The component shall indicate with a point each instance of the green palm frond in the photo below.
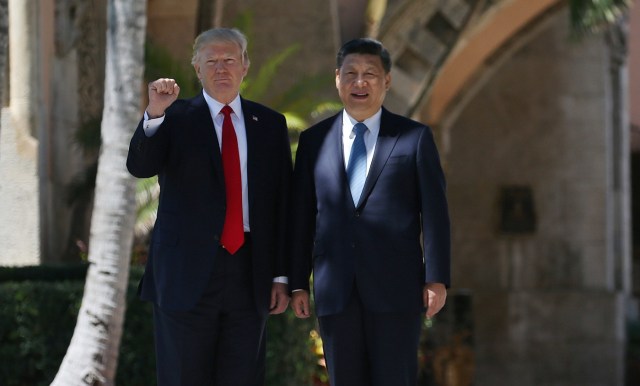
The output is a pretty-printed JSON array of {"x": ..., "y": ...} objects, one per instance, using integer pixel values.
[
  {"x": 255, "y": 88},
  {"x": 301, "y": 97},
  {"x": 589, "y": 16}
]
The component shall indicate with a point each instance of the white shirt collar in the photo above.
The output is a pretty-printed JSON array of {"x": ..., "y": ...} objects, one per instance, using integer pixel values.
[
  {"x": 372, "y": 123},
  {"x": 215, "y": 106}
]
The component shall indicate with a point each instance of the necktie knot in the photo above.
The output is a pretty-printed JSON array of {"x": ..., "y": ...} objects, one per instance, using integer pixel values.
[
  {"x": 360, "y": 128},
  {"x": 226, "y": 110}
]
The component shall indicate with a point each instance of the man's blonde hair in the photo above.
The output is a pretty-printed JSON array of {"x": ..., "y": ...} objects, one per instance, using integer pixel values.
[{"x": 220, "y": 35}]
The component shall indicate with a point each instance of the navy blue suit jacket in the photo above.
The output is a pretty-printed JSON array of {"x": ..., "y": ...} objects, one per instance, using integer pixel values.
[
  {"x": 396, "y": 239},
  {"x": 185, "y": 155}
]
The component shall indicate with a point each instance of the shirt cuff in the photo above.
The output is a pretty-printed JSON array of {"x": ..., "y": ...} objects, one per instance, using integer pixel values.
[
  {"x": 150, "y": 126},
  {"x": 281, "y": 279}
]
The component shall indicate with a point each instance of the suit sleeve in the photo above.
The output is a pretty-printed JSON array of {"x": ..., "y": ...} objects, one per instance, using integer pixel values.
[
  {"x": 147, "y": 154},
  {"x": 303, "y": 216},
  {"x": 435, "y": 214},
  {"x": 284, "y": 203}
]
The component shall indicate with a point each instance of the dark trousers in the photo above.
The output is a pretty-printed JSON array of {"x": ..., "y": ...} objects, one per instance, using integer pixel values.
[
  {"x": 220, "y": 342},
  {"x": 364, "y": 348}
]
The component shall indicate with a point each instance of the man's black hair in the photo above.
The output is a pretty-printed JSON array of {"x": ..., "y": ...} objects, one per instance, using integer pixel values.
[{"x": 365, "y": 46}]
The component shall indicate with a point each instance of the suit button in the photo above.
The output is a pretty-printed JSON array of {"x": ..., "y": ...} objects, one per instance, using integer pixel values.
[
  {"x": 353, "y": 245},
  {"x": 357, "y": 213}
]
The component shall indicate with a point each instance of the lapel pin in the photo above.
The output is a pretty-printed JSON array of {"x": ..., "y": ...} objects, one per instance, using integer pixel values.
[{"x": 254, "y": 118}]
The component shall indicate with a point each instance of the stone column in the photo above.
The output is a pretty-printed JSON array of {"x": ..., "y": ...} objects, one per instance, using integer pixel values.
[
  {"x": 19, "y": 192},
  {"x": 24, "y": 80},
  {"x": 619, "y": 228},
  {"x": 619, "y": 239}
]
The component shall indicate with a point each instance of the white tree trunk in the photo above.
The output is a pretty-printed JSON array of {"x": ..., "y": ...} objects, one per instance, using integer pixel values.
[{"x": 92, "y": 355}]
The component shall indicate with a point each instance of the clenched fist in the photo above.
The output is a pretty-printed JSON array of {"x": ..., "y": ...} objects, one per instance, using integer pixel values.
[{"x": 162, "y": 93}]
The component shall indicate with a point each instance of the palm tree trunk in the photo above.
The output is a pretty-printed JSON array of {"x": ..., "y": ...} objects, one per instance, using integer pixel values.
[{"x": 92, "y": 355}]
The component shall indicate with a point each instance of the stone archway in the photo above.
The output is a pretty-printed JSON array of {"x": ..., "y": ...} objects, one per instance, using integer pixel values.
[{"x": 442, "y": 49}]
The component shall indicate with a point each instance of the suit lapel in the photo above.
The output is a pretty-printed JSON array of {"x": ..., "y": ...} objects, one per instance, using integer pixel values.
[
  {"x": 204, "y": 124},
  {"x": 251, "y": 125},
  {"x": 387, "y": 139},
  {"x": 334, "y": 160}
]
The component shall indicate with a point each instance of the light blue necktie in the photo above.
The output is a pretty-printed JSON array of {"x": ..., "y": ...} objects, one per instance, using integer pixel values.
[{"x": 357, "y": 166}]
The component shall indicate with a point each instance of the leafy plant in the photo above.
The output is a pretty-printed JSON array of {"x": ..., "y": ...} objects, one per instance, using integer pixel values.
[
  {"x": 588, "y": 16},
  {"x": 300, "y": 103},
  {"x": 39, "y": 306}
]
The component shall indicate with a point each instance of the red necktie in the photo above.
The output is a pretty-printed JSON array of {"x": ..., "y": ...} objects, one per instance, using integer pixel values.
[{"x": 233, "y": 230}]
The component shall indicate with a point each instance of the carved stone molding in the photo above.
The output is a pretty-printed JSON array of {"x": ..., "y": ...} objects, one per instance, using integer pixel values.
[{"x": 420, "y": 36}]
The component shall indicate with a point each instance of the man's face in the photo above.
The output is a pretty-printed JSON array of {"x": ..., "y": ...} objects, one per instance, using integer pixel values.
[
  {"x": 220, "y": 68},
  {"x": 362, "y": 84}
]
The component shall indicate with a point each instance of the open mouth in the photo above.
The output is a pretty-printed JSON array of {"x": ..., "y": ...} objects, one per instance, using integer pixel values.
[{"x": 359, "y": 95}]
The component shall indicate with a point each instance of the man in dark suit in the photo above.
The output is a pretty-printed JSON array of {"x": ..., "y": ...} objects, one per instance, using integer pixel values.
[
  {"x": 370, "y": 219},
  {"x": 216, "y": 264}
]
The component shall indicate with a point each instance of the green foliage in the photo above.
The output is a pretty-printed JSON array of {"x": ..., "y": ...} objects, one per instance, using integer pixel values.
[
  {"x": 256, "y": 88},
  {"x": 47, "y": 273},
  {"x": 36, "y": 324},
  {"x": 291, "y": 360},
  {"x": 38, "y": 311},
  {"x": 588, "y": 16},
  {"x": 300, "y": 103}
]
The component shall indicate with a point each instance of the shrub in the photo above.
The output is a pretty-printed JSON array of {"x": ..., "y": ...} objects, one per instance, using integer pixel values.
[{"x": 38, "y": 313}]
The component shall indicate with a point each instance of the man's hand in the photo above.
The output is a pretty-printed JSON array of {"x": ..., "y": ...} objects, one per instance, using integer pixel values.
[
  {"x": 279, "y": 298},
  {"x": 434, "y": 295},
  {"x": 300, "y": 304},
  {"x": 162, "y": 93}
]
